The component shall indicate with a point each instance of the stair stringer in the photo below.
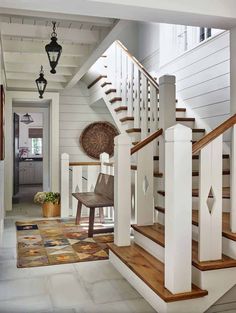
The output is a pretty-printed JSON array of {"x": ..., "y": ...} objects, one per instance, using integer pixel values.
[
  {"x": 216, "y": 282},
  {"x": 97, "y": 93}
]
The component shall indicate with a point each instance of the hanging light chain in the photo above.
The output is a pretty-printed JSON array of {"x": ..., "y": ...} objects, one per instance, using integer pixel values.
[{"x": 54, "y": 34}]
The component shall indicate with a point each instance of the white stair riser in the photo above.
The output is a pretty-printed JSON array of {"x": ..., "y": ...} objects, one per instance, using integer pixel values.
[
  {"x": 187, "y": 123},
  {"x": 135, "y": 136},
  {"x": 121, "y": 114},
  {"x": 229, "y": 246},
  {"x": 197, "y": 136},
  {"x": 180, "y": 114},
  {"x": 128, "y": 124}
]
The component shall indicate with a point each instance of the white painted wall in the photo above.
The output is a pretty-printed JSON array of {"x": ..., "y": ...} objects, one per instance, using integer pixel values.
[
  {"x": 202, "y": 75},
  {"x": 2, "y": 81},
  {"x": 75, "y": 114}
]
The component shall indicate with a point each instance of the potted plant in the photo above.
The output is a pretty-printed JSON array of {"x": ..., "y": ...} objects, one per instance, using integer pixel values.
[{"x": 50, "y": 202}]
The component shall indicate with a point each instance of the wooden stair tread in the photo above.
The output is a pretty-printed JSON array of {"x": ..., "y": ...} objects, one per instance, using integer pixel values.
[
  {"x": 115, "y": 99},
  {"x": 225, "y": 222},
  {"x": 151, "y": 271},
  {"x": 156, "y": 233},
  {"x": 121, "y": 108},
  {"x": 224, "y": 172},
  {"x": 185, "y": 119},
  {"x": 155, "y": 173},
  {"x": 110, "y": 91},
  {"x": 195, "y": 157},
  {"x": 96, "y": 80},
  {"x": 105, "y": 84},
  {"x": 195, "y": 192}
]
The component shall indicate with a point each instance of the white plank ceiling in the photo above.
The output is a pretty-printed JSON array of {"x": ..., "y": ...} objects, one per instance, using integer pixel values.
[{"x": 23, "y": 47}]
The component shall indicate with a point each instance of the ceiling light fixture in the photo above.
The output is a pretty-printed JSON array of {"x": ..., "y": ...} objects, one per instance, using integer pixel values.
[
  {"x": 41, "y": 83},
  {"x": 27, "y": 119},
  {"x": 53, "y": 50}
]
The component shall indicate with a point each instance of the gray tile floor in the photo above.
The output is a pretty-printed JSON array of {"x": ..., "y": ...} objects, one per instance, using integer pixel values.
[{"x": 91, "y": 287}]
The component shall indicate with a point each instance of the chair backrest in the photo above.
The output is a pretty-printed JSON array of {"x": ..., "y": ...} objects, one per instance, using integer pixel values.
[{"x": 105, "y": 186}]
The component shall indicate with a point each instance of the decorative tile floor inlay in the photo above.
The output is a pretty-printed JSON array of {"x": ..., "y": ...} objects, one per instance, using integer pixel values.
[{"x": 58, "y": 241}]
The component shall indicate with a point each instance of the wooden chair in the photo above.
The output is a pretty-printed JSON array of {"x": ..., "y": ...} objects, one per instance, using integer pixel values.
[{"x": 103, "y": 196}]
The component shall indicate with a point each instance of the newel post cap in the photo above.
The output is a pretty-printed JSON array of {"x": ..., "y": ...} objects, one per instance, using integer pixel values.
[
  {"x": 64, "y": 156},
  {"x": 122, "y": 139},
  {"x": 178, "y": 132},
  {"x": 167, "y": 79}
]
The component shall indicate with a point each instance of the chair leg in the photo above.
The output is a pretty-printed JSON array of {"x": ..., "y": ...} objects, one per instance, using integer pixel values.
[
  {"x": 101, "y": 215},
  {"x": 78, "y": 215},
  {"x": 91, "y": 222}
]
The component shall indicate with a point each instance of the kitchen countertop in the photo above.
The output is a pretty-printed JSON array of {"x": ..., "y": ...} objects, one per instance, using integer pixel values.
[{"x": 37, "y": 159}]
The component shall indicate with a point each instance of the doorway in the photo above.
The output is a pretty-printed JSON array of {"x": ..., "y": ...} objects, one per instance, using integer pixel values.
[{"x": 30, "y": 156}]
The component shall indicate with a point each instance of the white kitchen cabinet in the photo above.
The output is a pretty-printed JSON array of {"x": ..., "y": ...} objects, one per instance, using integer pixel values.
[{"x": 31, "y": 172}]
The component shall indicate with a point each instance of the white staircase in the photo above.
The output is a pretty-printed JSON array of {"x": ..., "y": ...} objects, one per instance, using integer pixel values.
[{"x": 183, "y": 189}]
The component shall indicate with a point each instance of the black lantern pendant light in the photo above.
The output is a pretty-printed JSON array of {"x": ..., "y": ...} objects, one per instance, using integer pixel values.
[
  {"x": 53, "y": 50},
  {"x": 26, "y": 119},
  {"x": 41, "y": 83}
]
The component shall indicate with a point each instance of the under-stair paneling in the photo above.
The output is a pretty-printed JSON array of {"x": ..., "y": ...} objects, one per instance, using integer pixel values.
[{"x": 75, "y": 114}]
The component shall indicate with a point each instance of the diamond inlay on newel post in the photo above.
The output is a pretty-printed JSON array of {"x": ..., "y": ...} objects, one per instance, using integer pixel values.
[{"x": 211, "y": 200}]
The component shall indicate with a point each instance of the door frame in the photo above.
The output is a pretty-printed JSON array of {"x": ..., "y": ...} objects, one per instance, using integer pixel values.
[
  {"x": 46, "y": 138},
  {"x": 21, "y": 96}
]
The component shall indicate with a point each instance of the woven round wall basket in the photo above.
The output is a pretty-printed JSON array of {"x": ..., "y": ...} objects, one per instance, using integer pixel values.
[{"x": 97, "y": 138}]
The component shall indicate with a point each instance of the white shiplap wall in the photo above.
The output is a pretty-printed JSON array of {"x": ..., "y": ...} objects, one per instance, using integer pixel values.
[
  {"x": 203, "y": 79},
  {"x": 75, "y": 114}
]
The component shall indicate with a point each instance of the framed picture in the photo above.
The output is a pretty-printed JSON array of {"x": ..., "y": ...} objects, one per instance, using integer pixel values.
[{"x": 2, "y": 123}]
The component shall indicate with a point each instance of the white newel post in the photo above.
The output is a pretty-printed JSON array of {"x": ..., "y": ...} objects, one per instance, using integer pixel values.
[
  {"x": 144, "y": 186},
  {"x": 178, "y": 209},
  {"x": 167, "y": 112},
  {"x": 210, "y": 208},
  {"x": 104, "y": 158},
  {"x": 122, "y": 190},
  {"x": 65, "y": 187},
  {"x": 233, "y": 181}
]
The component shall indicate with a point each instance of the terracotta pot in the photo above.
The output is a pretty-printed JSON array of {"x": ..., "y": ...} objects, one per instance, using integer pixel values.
[{"x": 51, "y": 210}]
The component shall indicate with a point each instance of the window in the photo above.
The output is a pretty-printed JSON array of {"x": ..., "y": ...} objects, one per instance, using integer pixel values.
[
  {"x": 36, "y": 146},
  {"x": 204, "y": 33}
]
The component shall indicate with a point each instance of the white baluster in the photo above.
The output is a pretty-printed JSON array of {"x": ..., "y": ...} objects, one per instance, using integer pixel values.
[
  {"x": 104, "y": 158},
  {"x": 233, "y": 181},
  {"x": 210, "y": 209},
  {"x": 144, "y": 107},
  {"x": 65, "y": 187},
  {"x": 124, "y": 79},
  {"x": 154, "y": 114},
  {"x": 178, "y": 209},
  {"x": 76, "y": 185},
  {"x": 118, "y": 70},
  {"x": 122, "y": 190},
  {"x": 144, "y": 186},
  {"x": 130, "y": 86},
  {"x": 167, "y": 114},
  {"x": 136, "y": 93}
]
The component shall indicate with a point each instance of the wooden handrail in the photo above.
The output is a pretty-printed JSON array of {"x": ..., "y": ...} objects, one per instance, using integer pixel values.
[
  {"x": 146, "y": 141},
  {"x": 197, "y": 146},
  {"x": 84, "y": 163},
  {"x": 140, "y": 66}
]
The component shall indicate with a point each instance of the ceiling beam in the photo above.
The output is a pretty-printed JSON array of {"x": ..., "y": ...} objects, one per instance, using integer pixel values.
[
  {"x": 188, "y": 12},
  {"x": 34, "y": 68},
  {"x": 98, "y": 21},
  {"x": 44, "y": 32},
  {"x": 30, "y": 85},
  {"x": 38, "y": 47},
  {"x": 15, "y": 57},
  {"x": 33, "y": 76}
]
